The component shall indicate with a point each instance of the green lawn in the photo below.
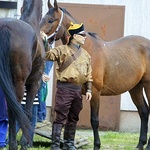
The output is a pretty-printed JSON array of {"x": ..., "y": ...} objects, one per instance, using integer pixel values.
[
  {"x": 117, "y": 141},
  {"x": 109, "y": 141}
]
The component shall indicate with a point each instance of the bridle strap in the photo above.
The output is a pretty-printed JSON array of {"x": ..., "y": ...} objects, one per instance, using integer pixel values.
[{"x": 59, "y": 25}]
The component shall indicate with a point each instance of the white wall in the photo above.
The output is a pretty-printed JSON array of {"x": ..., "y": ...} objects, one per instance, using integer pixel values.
[{"x": 8, "y": 12}]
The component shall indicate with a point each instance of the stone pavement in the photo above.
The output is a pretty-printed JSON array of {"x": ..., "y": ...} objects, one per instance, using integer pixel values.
[{"x": 44, "y": 129}]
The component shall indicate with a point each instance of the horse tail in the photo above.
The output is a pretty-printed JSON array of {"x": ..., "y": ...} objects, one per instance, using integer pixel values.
[{"x": 6, "y": 83}]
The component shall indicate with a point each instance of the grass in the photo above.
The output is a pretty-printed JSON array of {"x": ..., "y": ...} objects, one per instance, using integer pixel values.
[
  {"x": 114, "y": 141},
  {"x": 109, "y": 140},
  {"x": 118, "y": 141}
]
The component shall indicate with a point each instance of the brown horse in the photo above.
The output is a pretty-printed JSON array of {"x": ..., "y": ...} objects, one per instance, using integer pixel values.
[
  {"x": 21, "y": 63},
  {"x": 112, "y": 62}
]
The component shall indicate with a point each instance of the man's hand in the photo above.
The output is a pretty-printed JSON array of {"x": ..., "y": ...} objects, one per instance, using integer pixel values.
[
  {"x": 43, "y": 36},
  {"x": 45, "y": 78},
  {"x": 88, "y": 96}
]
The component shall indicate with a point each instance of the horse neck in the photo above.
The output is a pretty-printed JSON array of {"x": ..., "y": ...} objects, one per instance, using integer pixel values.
[
  {"x": 32, "y": 12},
  {"x": 65, "y": 25},
  {"x": 93, "y": 43}
]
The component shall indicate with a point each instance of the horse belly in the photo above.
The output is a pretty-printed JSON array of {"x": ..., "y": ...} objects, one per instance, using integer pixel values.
[
  {"x": 119, "y": 83},
  {"x": 110, "y": 91}
]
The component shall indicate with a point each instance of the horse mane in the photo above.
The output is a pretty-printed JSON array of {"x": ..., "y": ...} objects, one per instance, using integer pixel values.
[
  {"x": 66, "y": 12},
  {"x": 26, "y": 8},
  {"x": 94, "y": 35}
]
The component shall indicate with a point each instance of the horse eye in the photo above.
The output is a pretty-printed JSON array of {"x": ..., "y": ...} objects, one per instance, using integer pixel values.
[{"x": 51, "y": 21}]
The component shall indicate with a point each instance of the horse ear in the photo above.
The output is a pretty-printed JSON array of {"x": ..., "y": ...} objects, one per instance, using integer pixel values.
[
  {"x": 21, "y": 9},
  {"x": 49, "y": 4},
  {"x": 55, "y": 5}
]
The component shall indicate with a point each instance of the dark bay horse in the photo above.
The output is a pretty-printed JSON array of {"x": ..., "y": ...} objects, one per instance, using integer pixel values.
[
  {"x": 118, "y": 66},
  {"x": 22, "y": 57}
]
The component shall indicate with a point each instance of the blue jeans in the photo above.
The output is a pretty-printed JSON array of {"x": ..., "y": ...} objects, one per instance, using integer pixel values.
[
  {"x": 41, "y": 111},
  {"x": 3, "y": 119},
  {"x": 3, "y": 132},
  {"x": 42, "y": 104}
]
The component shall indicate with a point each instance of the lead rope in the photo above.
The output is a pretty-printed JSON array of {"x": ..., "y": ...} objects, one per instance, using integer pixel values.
[{"x": 59, "y": 25}]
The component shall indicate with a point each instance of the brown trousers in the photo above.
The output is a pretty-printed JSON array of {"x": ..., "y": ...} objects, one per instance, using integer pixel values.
[{"x": 68, "y": 104}]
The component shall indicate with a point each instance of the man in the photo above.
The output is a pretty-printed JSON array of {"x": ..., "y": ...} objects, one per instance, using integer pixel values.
[{"x": 73, "y": 70}]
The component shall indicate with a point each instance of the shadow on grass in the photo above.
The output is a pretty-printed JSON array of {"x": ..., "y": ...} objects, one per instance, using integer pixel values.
[
  {"x": 46, "y": 144},
  {"x": 42, "y": 144}
]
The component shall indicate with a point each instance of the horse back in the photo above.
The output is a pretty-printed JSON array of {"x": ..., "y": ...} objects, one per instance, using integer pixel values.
[{"x": 120, "y": 64}]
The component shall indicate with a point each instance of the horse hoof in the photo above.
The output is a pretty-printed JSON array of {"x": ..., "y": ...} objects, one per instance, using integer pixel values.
[
  {"x": 24, "y": 148},
  {"x": 96, "y": 148},
  {"x": 139, "y": 148}
]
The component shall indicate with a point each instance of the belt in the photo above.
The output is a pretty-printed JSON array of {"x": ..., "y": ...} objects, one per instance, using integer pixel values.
[{"x": 69, "y": 85}]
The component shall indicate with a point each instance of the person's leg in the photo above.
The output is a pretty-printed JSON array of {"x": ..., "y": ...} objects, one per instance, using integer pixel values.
[
  {"x": 41, "y": 111},
  {"x": 33, "y": 121},
  {"x": 44, "y": 110},
  {"x": 56, "y": 133},
  {"x": 3, "y": 120},
  {"x": 70, "y": 127},
  {"x": 69, "y": 136},
  {"x": 62, "y": 106},
  {"x": 42, "y": 104},
  {"x": 3, "y": 132}
]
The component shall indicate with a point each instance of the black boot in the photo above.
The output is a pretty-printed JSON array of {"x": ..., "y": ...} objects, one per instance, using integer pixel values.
[
  {"x": 69, "y": 136},
  {"x": 56, "y": 133}
]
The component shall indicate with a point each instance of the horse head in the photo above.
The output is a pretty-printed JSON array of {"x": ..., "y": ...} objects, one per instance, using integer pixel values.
[{"x": 53, "y": 23}]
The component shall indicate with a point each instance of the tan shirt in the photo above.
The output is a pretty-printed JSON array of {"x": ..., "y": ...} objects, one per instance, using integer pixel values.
[{"x": 78, "y": 72}]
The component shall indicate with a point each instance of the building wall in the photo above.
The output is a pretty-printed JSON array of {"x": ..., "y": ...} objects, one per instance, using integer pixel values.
[
  {"x": 8, "y": 12},
  {"x": 137, "y": 22},
  {"x": 136, "y": 15}
]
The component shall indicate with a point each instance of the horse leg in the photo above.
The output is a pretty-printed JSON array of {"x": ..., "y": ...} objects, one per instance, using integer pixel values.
[
  {"x": 19, "y": 86},
  {"x": 147, "y": 89},
  {"x": 31, "y": 93},
  {"x": 139, "y": 101},
  {"x": 12, "y": 133},
  {"x": 94, "y": 118}
]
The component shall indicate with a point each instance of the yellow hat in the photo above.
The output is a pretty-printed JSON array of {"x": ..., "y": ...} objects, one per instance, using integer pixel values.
[{"x": 75, "y": 28}]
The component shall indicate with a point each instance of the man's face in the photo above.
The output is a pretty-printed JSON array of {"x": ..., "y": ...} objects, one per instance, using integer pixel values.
[{"x": 80, "y": 38}]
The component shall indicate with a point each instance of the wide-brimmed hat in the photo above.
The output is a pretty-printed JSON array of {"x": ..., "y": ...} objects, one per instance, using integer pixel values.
[{"x": 75, "y": 28}]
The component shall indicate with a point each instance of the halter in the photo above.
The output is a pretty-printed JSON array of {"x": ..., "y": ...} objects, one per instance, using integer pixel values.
[{"x": 59, "y": 25}]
